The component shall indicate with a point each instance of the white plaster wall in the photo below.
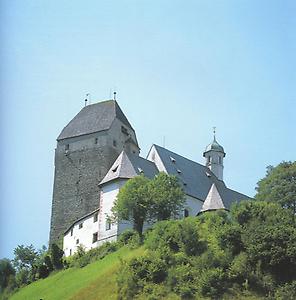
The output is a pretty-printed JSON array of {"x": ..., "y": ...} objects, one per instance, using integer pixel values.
[
  {"x": 109, "y": 193},
  {"x": 214, "y": 165},
  {"x": 84, "y": 235},
  {"x": 154, "y": 157}
]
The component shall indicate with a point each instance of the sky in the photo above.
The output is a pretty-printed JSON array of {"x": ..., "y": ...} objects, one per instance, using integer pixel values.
[{"x": 179, "y": 68}]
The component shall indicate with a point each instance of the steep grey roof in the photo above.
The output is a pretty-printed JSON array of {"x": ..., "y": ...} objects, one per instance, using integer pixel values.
[
  {"x": 129, "y": 165},
  {"x": 195, "y": 178},
  {"x": 213, "y": 200},
  {"x": 93, "y": 118}
]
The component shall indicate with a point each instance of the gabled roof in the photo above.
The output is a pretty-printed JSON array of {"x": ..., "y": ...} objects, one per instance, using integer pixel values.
[
  {"x": 213, "y": 200},
  {"x": 94, "y": 118},
  {"x": 129, "y": 165},
  {"x": 196, "y": 179}
]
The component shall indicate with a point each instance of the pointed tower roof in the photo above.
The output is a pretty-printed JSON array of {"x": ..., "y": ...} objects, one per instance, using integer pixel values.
[
  {"x": 129, "y": 165},
  {"x": 213, "y": 200},
  {"x": 94, "y": 118}
]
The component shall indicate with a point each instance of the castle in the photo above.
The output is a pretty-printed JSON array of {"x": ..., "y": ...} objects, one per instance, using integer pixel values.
[{"x": 96, "y": 153}]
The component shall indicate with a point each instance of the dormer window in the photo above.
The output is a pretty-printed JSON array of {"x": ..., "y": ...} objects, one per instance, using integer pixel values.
[
  {"x": 140, "y": 170},
  {"x": 172, "y": 159},
  {"x": 179, "y": 171},
  {"x": 115, "y": 169},
  {"x": 114, "y": 143}
]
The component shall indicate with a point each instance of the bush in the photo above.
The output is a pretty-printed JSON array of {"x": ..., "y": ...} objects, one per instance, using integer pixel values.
[
  {"x": 129, "y": 237},
  {"x": 286, "y": 292}
]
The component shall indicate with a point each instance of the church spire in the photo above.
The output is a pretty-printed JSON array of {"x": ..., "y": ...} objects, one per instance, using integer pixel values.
[{"x": 214, "y": 155}]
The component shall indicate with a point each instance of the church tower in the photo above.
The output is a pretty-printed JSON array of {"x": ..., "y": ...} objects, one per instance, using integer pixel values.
[
  {"x": 86, "y": 149},
  {"x": 214, "y": 155}
]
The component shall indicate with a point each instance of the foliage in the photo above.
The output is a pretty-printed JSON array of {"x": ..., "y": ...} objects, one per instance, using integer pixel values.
[
  {"x": 168, "y": 198},
  {"x": 133, "y": 202},
  {"x": 279, "y": 185},
  {"x": 7, "y": 272},
  {"x": 56, "y": 255},
  {"x": 141, "y": 200},
  {"x": 24, "y": 257},
  {"x": 286, "y": 292}
]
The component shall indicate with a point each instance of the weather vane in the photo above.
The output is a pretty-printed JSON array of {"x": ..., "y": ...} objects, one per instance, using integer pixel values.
[{"x": 214, "y": 131}]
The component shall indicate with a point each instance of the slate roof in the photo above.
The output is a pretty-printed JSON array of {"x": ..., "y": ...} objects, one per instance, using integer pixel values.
[
  {"x": 129, "y": 165},
  {"x": 195, "y": 178},
  {"x": 94, "y": 118},
  {"x": 213, "y": 200}
]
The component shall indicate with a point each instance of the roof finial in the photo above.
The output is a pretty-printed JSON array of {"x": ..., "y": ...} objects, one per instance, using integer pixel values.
[
  {"x": 214, "y": 131},
  {"x": 114, "y": 95},
  {"x": 87, "y": 98}
]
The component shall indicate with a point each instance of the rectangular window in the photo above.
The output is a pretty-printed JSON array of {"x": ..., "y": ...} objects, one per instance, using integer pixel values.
[
  {"x": 70, "y": 251},
  {"x": 124, "y": 130},
  {"x": 80, "y": 225},
  {"x": 71, "y": 231},
  {"x": 67, "y": 147},
  {"x": 96, "y": 140},
  {"x": 114, "y": 143},
  {"x": 95, "y": 217},
  {"x": 77, "y": 241},
  {"x": 95, "y": 237},
  {"x": 108, "y": 224}
]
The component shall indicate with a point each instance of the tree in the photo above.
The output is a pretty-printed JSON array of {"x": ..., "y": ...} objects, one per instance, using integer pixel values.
[
  {"x": 133, "y": 202},
  {"x": 168, "y": 198},
  {"x": 56, "y": 256},
  {"x": 24, "y": 257},
  {"x": 279, "y": 185},
  {"x": 6, "y": 273}
]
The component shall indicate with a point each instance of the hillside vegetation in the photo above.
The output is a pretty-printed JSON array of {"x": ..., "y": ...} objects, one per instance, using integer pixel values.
[{"x": 94, "y": 281}]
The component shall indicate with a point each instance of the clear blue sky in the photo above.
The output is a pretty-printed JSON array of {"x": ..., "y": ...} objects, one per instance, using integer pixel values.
[{"x": 179, "y": 67}]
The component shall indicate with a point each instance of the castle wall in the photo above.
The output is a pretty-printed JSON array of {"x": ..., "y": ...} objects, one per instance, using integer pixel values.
[{"x": 80, "y": 164}]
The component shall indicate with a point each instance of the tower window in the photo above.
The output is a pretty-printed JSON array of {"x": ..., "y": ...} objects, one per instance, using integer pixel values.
[
  {"x": 114, "y": 143},
  {"x": 209, "y": 159},
  {"x": 77, "y": 241},
  {"x": 67, "y": 147},
  {"x": 124, "y": 130},
  {"x": 80, "y": 225},
  {"x": 72, "y": 232},
  {"x": 95, "y": 237},
  {"x": 96, "y": 140},
  {"x": 108, "y": 224},
  {"x": 95, "y": 217}
]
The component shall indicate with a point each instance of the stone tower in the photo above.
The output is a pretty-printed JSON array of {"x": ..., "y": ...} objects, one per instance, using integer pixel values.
[
  {"x": 86, "y": 149},
  {"x": 214, "y": 155}
]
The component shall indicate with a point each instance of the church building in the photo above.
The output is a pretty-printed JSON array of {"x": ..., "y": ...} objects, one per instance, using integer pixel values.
[{"x": 97, "y": 153}]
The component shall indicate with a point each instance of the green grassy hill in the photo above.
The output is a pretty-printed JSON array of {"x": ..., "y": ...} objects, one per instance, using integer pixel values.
[{"x": 95, "y": 281}]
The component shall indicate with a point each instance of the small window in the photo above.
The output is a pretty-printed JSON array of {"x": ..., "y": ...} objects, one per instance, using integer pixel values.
[
  {"x": 124, "y": 130},
  {"x": 108, "y": 224},
  {"x": 140, "y": 170},
  {"x": 72, "y": 232},
  {"x": 186, "y": 213},
  {"x": 70, "y": 251},
  {"x": 95, "y": 237},
  {"x": 67, "y": 147},
  {"x": 114, "y": 143},
  {"x": 77, "y": 241},
  {"x": 80, "y": 225},
  {"x": 179, "y": 171},
  {"x": 95, "y": 217},
  {"x": 115, "y": 169},
  {"x": 209, "y": 159},
  {"x": 96, "y": 140}
]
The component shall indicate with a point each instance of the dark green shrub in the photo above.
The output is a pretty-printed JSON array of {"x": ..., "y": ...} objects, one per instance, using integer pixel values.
[
  {"x": 56, "y": 255},
  {"x": 286, "y": 292},
  {"x": 130, "y": 237},
  {"x": 43, "y": 271}
]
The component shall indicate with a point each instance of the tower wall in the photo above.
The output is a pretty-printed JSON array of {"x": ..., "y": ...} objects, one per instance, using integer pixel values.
[{"x": 80, "y": 164}]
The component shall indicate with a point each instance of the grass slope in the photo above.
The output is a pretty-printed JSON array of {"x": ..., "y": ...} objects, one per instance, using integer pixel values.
[{"x": 95, "y": 281}]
